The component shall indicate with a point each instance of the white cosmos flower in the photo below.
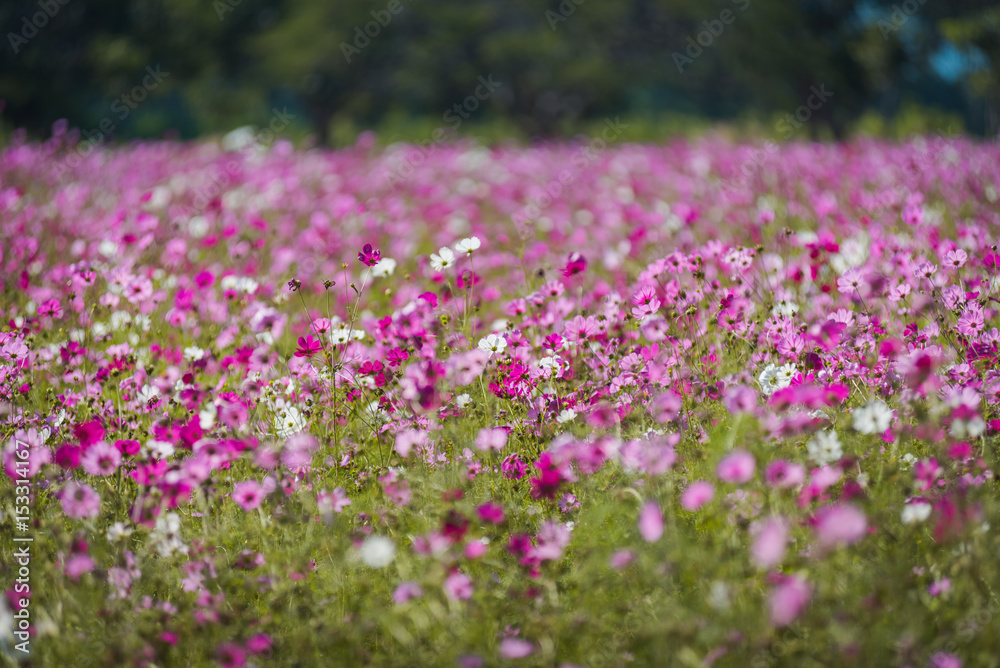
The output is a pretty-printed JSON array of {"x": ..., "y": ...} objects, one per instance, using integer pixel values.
[
  {"x": 444, "y": 259},
  {"x": 872, "y": 418},
  {"x": 117, "y": 532},
  {"x": 915, "y": 512},
  {"x": 466, "y": 246},
  {"x": 288, "y": 420},
  {"x": 193, "y": 353},
  {"x": 492, "y": 344},
  {"x": 384, "y": 267},
  {"x": 463, "y": 400},
  {"x": 774, "y": 378},
  {"x": 377, "y": 551},
  {"x": 147, "y": 393},
  {"x": 566, "y": 415},
  {"x": 340, "y": 336},
  {"x": 159, "y": 449},
  {"x": 825, "y": 447}
]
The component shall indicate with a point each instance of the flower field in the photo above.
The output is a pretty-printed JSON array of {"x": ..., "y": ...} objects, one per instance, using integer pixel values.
[{"x": 697, "y": 404}]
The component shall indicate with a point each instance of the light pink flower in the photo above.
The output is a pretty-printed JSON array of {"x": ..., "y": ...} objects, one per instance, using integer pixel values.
[
  {"x": 515, "y": 648},
  {"x": 788, "y": 600},
  {"x": 248, "y": 495},
  {"x": 80, "y": 501},
  {"x": 491, "y": 439},
  {"x": 770, "y": 542},
  {"x": 458, "y": 586},
  {"x": 696, "y": 495},
  {"x": 101, "y": 459},
  {"x": 840, "y": 525},
  {"x": 737, "y": 467},
  {"x": 651, "y": 522}
]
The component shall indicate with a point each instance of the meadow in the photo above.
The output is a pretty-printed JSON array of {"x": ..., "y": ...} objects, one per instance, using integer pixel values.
[{"x": 700, "y": 403}]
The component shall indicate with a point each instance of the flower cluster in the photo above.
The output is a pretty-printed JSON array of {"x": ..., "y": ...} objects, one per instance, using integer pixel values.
[{"x": 318, "y": 417}]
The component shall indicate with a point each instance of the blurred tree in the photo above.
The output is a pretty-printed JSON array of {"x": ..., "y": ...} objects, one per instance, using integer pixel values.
[{"x": 560, "y": 64}]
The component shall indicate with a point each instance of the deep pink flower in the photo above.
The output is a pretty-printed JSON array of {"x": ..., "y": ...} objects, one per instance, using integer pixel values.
[
  {"x": 490, "y": 512},
  {"x": 576, "y": 264},
  {"x": 231, "y": 655},
  {"x": 308, "y": 346},
  {"x": 369, "y": 256}
]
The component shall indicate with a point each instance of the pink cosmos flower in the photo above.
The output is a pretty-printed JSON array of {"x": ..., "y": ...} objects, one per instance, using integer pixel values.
[
  {"x": 665, "y": 406},
  {"x": 248, "y": 495},
  {"x": 770, "y": 542},
  {"x": 737, "y": 467},
  {"x": 851, "y": 281},
  {"x": 80, "y": 501},
  {"x": 696, "y": 495},
  {"x": 332, "y": 502},
  {"x": 788, "y": 600},
  {"x": 622, "y": 558},
  {"x": 651, "y": 522},
  {"x": 944, "y": 660},
  {"x": 259, "y": 643},
  {"x": 840, "y": 525},
  {"x": 515, "y": 648},
  {"x": 491, "y": 439},
  {"x": 783, "y": 474},
  {"x": 78, "y": 564},
  {"x": 458, "y": 586},
  {"x": 230, "y": 655},
  {"x": 101, "y": 459},
  {"x": 406, "y": 591}
]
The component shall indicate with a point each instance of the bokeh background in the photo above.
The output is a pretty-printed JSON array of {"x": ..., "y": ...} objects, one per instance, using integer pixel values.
[{"x": 333, "y": 68}]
